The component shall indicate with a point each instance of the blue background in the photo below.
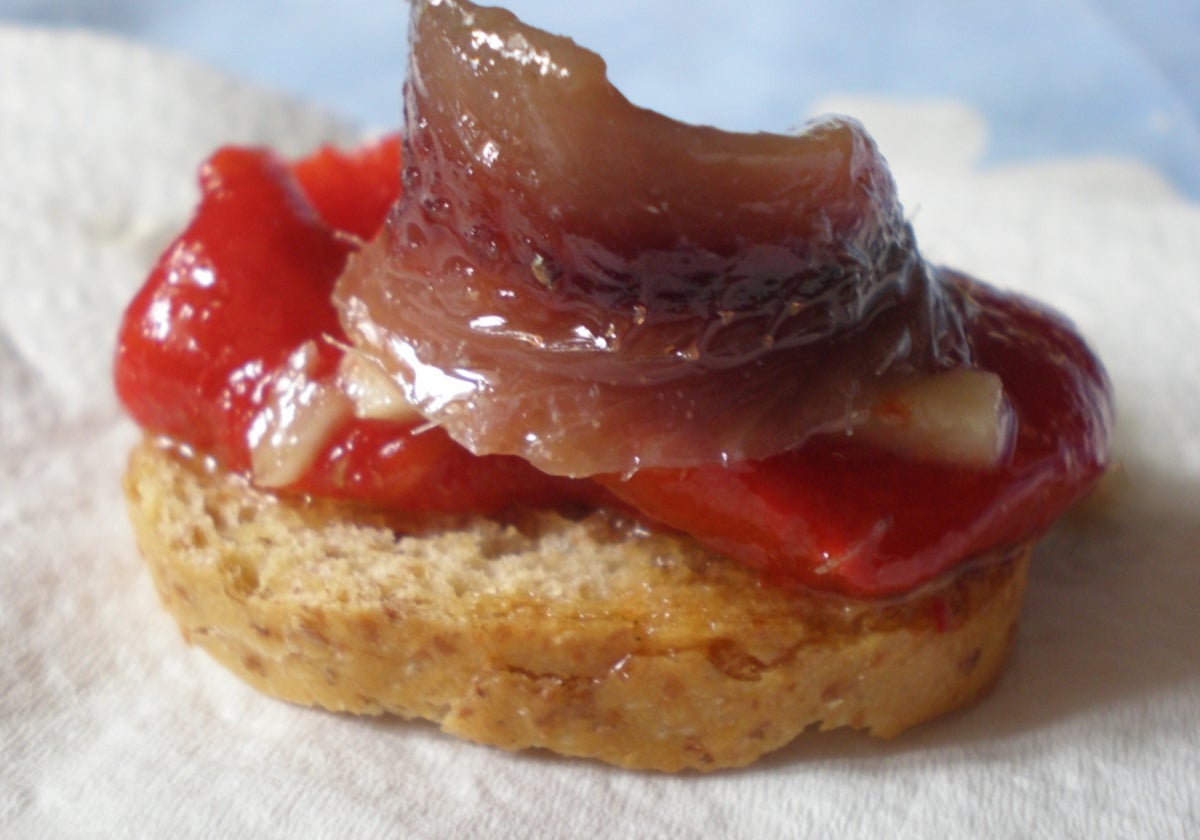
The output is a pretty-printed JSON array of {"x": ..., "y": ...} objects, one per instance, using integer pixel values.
[{"x": 1053, "y": 77}]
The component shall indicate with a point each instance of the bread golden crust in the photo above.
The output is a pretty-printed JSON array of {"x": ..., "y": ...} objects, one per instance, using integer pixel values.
[{"x": 588, "y": 637}]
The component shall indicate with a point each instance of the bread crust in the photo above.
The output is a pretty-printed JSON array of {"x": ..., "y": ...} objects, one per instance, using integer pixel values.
[{"x": 589, "y": 637}]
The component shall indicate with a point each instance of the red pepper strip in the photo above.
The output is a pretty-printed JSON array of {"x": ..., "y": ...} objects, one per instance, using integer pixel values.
[
  {"x": 249, "y": 281},
  {"x": 837, "y": 514}
]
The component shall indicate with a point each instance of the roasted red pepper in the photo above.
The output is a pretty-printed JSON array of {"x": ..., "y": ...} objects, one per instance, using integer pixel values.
[
  {"x": 249, "y": 281},
  {"x": 245, "y": 285}
]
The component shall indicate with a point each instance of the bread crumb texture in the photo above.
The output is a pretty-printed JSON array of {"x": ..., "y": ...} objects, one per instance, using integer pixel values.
[{"x": 589, "y": 637}]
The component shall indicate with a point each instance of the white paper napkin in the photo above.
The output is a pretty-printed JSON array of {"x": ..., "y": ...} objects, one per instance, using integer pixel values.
[{"x": 110, "y": 726}]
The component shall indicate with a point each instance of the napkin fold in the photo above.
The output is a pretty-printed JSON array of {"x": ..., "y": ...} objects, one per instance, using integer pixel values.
[{"x": 111, "y": 726}]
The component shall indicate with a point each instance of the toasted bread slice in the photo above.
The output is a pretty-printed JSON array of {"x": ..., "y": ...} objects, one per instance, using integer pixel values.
[{"x": 588, "y": 637}]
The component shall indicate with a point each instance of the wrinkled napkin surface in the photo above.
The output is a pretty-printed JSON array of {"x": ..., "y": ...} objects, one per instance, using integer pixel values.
[{"x": 111, "y": 726}]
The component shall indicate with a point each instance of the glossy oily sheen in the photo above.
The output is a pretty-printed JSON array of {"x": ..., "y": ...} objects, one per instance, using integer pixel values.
[
  {"x": 692, "y": 320},
  {"x": 840, "y": 514},
  {"x": 207, "y": 340},
  {"x": 597, "y": 288},
  {"x": 205, "y": 344}
]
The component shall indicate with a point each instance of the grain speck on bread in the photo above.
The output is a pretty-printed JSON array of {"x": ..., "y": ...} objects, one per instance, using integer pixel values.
[{"x": 589, "y": 637}]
